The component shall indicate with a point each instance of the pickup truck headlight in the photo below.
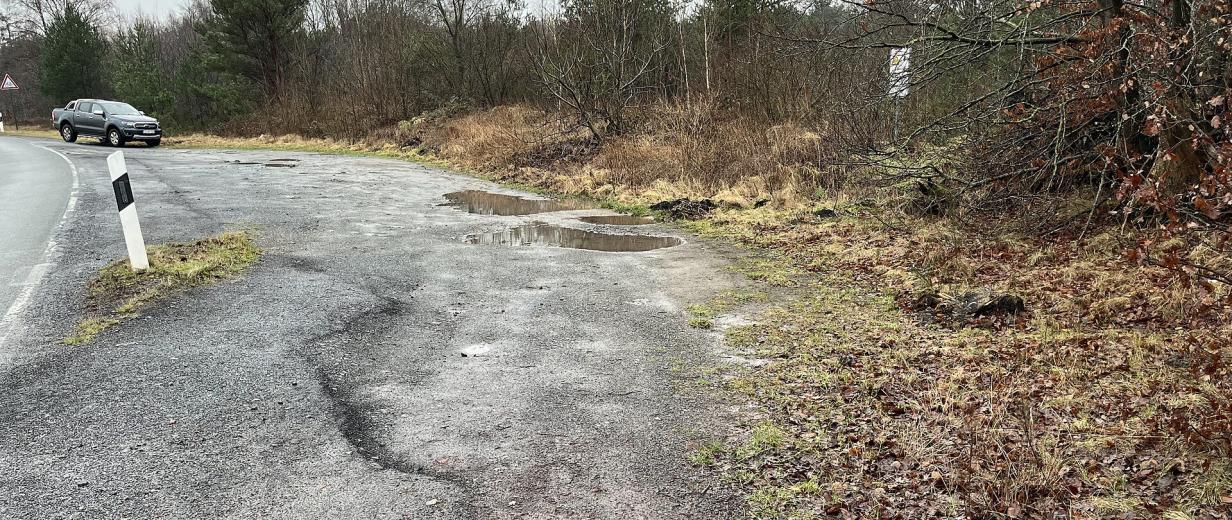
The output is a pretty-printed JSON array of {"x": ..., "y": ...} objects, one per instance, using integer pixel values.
[{"x": 130, "y": 124}]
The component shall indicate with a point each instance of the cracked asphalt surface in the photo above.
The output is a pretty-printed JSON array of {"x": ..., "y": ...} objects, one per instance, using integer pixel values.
[{"x": 370, "y": 365}]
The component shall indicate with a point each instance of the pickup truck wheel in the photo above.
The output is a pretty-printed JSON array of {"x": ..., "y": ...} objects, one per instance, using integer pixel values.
[
  {"x": 114, "y": 138},
  {"x": 67, "y": 133}
]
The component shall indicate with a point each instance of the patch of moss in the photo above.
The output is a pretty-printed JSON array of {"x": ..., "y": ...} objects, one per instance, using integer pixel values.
[
  {"x": 90, "y": 327},
  {"x": 701, "y": 323},
  {"x": 707, "y": 454}
]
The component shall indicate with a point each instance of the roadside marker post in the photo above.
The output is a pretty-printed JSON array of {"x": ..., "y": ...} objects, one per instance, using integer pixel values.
[
  {"x": 900, "y": 81},
  {"x": 128, "y": 212}
]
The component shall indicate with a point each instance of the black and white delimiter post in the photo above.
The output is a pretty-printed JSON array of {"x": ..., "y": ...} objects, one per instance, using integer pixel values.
[{"x": 128, "y": 212}]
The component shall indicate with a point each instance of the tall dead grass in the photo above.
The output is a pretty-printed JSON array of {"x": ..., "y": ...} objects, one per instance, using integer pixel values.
[{"x": 678, "y": 150}]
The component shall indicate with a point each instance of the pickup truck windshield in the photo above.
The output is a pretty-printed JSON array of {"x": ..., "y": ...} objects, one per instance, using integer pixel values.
[{"x": 120, "y": 109}]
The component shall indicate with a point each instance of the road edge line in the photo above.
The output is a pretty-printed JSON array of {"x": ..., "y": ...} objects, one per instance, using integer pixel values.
[{"x": 39, "y": 271}]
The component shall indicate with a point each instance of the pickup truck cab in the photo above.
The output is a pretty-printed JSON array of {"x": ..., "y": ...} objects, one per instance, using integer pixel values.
[{"x": 113, "y": 122}]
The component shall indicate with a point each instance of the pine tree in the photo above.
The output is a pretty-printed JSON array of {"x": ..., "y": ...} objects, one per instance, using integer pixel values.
[
  {"x": 254, "y": 38},
  {"x": 72, "y": 58},
  {"x": 134, "y": 71}
]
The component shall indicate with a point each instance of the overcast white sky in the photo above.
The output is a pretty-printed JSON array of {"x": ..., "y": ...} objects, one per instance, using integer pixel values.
[{"x": 160, "y": 9}]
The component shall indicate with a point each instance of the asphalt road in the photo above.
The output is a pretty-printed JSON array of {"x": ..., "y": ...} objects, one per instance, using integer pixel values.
[
  {"x": 36, "y": 186},
  {"x": 373, "y": 364}
]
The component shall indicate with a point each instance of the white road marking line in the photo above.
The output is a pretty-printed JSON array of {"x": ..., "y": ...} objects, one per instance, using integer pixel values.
[
  {"x": 36, "y": 274},
  {"x": 39, "y": 271}
]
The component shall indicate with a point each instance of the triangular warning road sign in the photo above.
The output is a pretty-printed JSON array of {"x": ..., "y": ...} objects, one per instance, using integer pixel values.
[{"x": 8, "y": 83}]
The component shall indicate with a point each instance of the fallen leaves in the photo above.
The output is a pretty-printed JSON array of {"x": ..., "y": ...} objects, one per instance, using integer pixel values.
[{"x": 1060, "y": 415}]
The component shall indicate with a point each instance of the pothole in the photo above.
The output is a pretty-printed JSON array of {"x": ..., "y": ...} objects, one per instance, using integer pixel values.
[
  {"x": 540, "y": 234},
  {"x": 618, "y": 220},
  {"x": 487, "y": 203}
]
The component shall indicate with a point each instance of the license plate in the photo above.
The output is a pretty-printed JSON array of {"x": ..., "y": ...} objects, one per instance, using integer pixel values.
[{"x": 148, "y": 132}]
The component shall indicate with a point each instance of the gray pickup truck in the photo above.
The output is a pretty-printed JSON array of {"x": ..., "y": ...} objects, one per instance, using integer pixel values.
[{"x": 114, "y": 122}]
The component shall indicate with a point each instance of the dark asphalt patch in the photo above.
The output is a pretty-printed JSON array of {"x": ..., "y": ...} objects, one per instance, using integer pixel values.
[
  {"x": 540, "y": 234},
  {"x": 354, "y": 418},
  {"x": 487, "y": 203}
]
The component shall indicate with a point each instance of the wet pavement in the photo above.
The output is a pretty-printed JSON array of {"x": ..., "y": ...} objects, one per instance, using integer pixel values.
[
  {"x": 372, "y": 364},
  {"x": 540, "y": 234},
  {"x": 487, "y": 203}
]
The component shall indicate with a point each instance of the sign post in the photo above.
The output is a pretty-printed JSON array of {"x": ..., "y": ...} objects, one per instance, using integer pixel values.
[
  {"x": 128, "y": 212},
  {"x": 900, "y": 80},
  {"x": 7, "y": 84}
]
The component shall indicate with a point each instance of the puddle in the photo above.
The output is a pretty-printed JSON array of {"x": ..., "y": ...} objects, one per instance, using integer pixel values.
[
  {"x": 284, "y": 160},
  {"x": 618, "y": 220},
  {"x": 243, "y": 162},
  {"x": 279, "y": 165},
  {"x": 485, "y": 203},
  {"x": 540, "y": 234}
]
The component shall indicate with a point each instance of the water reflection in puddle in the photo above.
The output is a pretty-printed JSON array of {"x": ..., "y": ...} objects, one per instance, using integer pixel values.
[
  {"x": 539, "y": 234},
  {"x": 618, "y": 220},
  {"x": 485, "y": 203}
]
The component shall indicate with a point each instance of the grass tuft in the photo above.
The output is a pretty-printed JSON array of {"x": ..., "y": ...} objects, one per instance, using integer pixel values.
[{"x": 118, "y": 294}]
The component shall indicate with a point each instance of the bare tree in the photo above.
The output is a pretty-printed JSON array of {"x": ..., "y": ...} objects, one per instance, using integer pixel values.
[
  {"x": 597, "y": 58},
  {"x": 39, "y": 14}
]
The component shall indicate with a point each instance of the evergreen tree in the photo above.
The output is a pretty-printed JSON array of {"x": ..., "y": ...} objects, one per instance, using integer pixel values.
[
  {"x": 72, "y": 58},
  {"x": 255, "y": 38},
  {"x": 134, "y": 71}
]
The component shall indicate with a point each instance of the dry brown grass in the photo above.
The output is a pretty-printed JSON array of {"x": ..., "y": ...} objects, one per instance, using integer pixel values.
[
  {"x": 1108, "y": 399},
  {"x": 28, "y": 131},
  {"x": 682, "y": 151}
]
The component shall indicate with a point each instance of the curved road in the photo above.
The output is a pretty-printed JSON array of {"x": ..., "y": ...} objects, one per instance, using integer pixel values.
[
  {"x": 36, "y": 185},
  {"x": 377, "y": 362}
]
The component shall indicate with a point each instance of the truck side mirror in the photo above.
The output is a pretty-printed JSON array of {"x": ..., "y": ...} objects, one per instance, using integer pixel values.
[{"x": 98, "y": 111}]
